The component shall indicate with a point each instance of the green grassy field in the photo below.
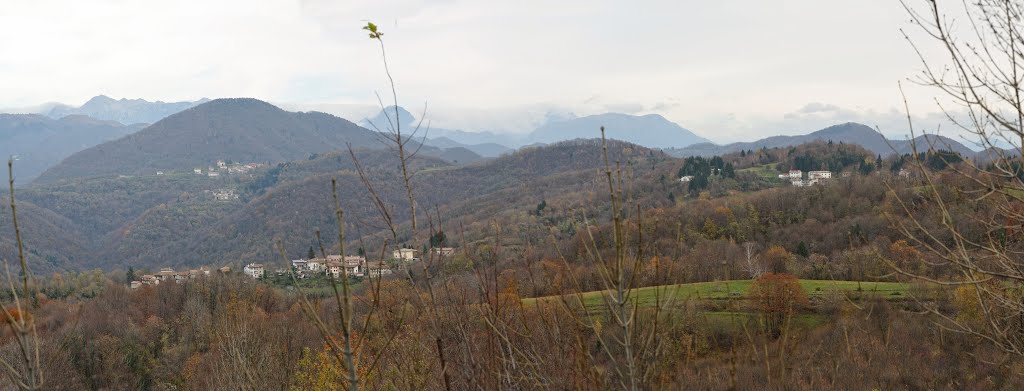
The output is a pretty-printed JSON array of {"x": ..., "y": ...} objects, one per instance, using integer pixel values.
[
  {"x": 766, "y": 171},
  {"x": 737, "y": 289}
]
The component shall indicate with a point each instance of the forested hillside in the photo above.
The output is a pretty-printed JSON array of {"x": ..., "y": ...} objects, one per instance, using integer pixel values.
[
  {"x": 175, "y": 219},
  {"x": 532, "y": 230},
  {"x": 170, "y": 220}
]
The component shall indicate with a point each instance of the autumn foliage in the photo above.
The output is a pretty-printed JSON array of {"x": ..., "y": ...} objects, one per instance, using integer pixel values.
[{"x": 777, "y": 296}]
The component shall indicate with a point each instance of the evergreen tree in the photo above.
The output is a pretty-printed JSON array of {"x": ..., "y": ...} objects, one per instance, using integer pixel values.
[
  {"x": 698, "y": 183},
  {"x": 801, "y": 250},
  {"x": 540, "y": 207},
  {"x": 729, "y": 171},
  {"x": 131, "y": 274},
  {"x": 438, "y": 239},
  {"x": 310, "y": 254},
  {"x": 866, "y": 168}
]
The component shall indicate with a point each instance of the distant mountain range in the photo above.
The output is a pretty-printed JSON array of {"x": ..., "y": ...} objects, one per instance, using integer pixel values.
[
  {"x": 850, "y": 133},
  {"x": 79, "y": 213},
  {"x": 485, "y": 144},
  {"x": 39, "y": 142},
  {"x": 95, "y": 142},
  {"x": 125, "y": 111},
  {"x": 652, "y": 130}
]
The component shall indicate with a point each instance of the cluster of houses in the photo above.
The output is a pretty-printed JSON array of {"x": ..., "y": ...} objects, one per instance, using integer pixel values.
[
  {"x": 223, "y": 167},
  {"x": 337, "y": 266},
  {"x": 167, "y": 275},
  {"x": 334, "y": 265},
  {"x": 351, "y": 265},
  {"x": 796, "y": 177}
]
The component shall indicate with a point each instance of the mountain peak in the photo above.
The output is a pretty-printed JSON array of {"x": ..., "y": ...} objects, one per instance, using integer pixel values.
[
  {"x": 98, "y": 100},
  {"x": 386, "y": 118},
  {"x": 651, "y": 130},
  {"x": 230, "y": 103}
]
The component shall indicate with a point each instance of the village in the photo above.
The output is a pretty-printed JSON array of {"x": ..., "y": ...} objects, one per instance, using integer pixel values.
[
  {"x": 224, "y": 167},
  {"x": 333, "y": 266},
  {"x": 796, "y": 177}
]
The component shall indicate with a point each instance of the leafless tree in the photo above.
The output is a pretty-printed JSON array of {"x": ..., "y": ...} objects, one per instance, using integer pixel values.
[
  {"x": 25, "y": 374},
  {"x": 393, "y": 128},
  {"x": 972, "y": 228},
  {"x": 753, "y": 265}
]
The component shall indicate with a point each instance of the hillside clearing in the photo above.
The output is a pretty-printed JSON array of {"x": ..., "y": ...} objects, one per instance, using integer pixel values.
[{"x": 737, "y": 289}]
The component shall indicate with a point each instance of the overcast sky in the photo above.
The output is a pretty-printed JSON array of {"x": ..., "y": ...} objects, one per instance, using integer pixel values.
[{"x": 728, "y": 70}]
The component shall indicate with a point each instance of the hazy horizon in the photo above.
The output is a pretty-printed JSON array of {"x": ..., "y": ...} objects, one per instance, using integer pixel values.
[{"x": 728, "y": 72}]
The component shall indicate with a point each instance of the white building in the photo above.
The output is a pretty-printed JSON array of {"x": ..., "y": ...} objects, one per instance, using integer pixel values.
[
  {"x": 354, "y": 265},
  {"x": 198, "y": 171},
  {"x": 377, "y": 269},
  {"x": 442, "y": 251},
  {"x": 333, "y": 269},
  {"x": 315, "y": 264},
  {"x": 353, "y": 269},
  {"x": 213, "y": 174},
  {"x": 796, "y": 174},
  {"x": 405, "y": 254},
  {"x": 819, "y": 174},
  {"x": 165, "y": 274},
  {"x": 686, "y": 178},
  {"x": 254, "y": 270}
]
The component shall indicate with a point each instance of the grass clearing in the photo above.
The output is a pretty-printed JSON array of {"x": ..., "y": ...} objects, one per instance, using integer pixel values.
[
  {"x": 737, "y": 289},
  {"x": 765, "y": 171}
]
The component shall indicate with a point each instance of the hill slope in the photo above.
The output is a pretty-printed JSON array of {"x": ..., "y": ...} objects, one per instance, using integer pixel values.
[
  {"x": 299, "y": 201},
  {"x": 40, "y": 142},
  {"x": 240, "y": 130},
  {"x": 174, "y": 219},
  {"x": 483, "y": 149}
]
